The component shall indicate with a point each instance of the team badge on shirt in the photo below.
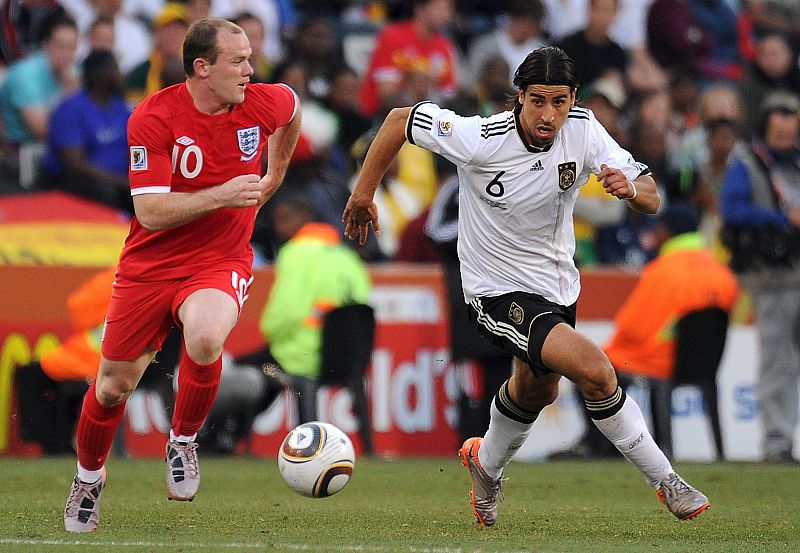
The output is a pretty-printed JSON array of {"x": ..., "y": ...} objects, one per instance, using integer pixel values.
[
  {"x": 249, "y": 139},
  {"x": 445, "y": 128},
  {"x": 138, "y": 158},
  {"x": 566, "y": 174}
]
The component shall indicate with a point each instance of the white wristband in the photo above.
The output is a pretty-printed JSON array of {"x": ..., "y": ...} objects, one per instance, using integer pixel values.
[{"x": 635, "y": 192}]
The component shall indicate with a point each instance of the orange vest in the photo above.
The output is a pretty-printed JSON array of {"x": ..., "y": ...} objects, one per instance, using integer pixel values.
[
  {"x": 78, "y": 357},
  {"x": 683, "y": 278}
]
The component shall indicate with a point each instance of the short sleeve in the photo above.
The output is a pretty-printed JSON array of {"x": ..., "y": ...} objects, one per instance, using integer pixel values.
[
  {"x": 274, "y": 105},
  {"x": 602, "y": 149},
  {"x": 286, "y": 104},
  {"x": 150, "y": 164},
  {"x": 443, "y": 132}
]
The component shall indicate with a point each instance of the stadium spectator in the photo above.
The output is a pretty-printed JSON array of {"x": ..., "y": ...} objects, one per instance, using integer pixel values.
[
  {"x": 31, "y": 89},
  {"x": 198, "y": 9},
  {"x": 50, "y": 390},
  {"x": 23, "y": 24},
  {"x": 160, "y": 279},
  {"x": 595, "y": 54},
  {"x": 342, "y": 102},
  {"x": 318, "y": 50},
  {"x": 719, "y": 101},
  {"x": 277, "y": 23},
  {"x": 773, "y": 68},
  {"x": 594, "y": 209},
  {"x": 131, "y": 36},
  {"x": 411, "y": 60},
  {"x": 34, "y": 84},
  {"x": 684, "y": 277},
  {"x": 771, "y": 16},
  {"x": 314, "y": 273},
  {"x": 493, "y": 88},
  {"x": 101, "y": 34},
  {"x": 521, "y": 286},
  {"x": 398, "y": 201},
  {"x": 256, "y": 33},
  {"x": 169, "y": 28},
  {"x": 519, "y": 33},
  {"x": 760, "y": 209},
  {"x": 674, "y": 37},
  {"x": 718, "y": 21},
  {"x": 564, "y": 17},
  {"x": 87, "y": 146}
]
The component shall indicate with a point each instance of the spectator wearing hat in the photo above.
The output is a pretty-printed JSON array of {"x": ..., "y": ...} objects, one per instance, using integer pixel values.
[
  {"x": 760, "y": 208},
  {"x": 170, "y": 27}
]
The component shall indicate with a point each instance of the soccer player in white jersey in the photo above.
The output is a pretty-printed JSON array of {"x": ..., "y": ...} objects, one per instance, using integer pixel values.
[{"x": 519, "y": 174}]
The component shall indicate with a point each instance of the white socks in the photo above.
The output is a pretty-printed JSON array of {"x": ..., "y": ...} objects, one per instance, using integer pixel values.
[
  {"x": 182, "y": 439},
  {"x": 504, "y": 437},
  {"x": 89, "y": 476},
  {"x": 628, "y": 431}
]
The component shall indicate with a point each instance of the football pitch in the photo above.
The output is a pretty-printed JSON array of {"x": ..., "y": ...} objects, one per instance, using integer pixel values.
[{"x": 413, "y": 506}]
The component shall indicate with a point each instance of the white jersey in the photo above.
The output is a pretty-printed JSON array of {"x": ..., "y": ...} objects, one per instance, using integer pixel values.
[{"x": 515, "y": 230}]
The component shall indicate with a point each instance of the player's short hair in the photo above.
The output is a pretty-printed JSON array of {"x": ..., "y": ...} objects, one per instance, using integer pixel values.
[
  {"x": 201, "y": 41},
  {"x": 547, "y": 66}
]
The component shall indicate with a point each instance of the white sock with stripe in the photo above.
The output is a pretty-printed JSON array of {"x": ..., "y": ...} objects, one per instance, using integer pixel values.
[
  {"x": 509, "y": 427},
  {"x": 621, "y": 421}
]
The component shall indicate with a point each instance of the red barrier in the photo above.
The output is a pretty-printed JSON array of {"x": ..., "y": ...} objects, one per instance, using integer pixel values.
[{"x": 411, "y": 385}]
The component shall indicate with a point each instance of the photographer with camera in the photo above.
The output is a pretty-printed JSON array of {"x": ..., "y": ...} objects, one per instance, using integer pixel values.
[{"x": 760, "y": 207}]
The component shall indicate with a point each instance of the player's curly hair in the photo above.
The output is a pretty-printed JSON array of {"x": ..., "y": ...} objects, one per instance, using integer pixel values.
[
  {"x": 201, "y": 41},
  {"x": 548, "y": 66}
]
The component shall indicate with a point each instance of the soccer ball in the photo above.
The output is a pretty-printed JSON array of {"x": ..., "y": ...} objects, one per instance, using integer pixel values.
[{"x": 316, "y": 459}]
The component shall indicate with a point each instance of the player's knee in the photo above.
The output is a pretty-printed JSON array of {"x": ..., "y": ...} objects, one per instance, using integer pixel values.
[
  {"x": 113, "y": 392},
  {"x": 598, "y": 383},
  {"x": 204, "y": 347}
]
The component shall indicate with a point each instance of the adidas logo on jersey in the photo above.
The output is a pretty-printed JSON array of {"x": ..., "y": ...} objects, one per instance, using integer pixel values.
[{"x": 537, "y": 166}]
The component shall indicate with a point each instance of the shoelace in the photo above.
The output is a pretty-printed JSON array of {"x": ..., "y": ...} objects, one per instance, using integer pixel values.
[
  {"x": 677, "y": 486},
  {"x": 76, "y": 497},
  {"x": 190, "y": 455},
  {"x": 495, "y": 494}
]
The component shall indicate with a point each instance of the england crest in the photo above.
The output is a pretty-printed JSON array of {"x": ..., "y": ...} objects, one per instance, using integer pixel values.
[{"x": 249, "y": 139}]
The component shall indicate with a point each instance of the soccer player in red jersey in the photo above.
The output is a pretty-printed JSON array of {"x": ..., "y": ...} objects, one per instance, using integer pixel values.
[{"x": 195, "y": 159}]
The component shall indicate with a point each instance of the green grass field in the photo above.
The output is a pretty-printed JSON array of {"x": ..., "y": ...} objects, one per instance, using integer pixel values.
[{"x": 412, "y": 506}]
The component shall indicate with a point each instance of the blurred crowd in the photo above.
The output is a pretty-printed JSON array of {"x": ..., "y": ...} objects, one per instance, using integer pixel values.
[{"x": 679, "y": 83}]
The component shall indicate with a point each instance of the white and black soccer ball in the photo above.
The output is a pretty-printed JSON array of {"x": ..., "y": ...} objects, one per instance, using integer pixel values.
[{"x": 316, "y": 459}]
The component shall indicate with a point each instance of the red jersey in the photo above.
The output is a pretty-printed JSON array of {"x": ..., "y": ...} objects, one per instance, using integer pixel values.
[
  {"x": 176, "y": 148},
  {"x": 399, "y": 49}
]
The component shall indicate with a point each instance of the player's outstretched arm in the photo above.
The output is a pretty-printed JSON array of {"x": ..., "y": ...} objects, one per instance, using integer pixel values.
[
  {"x": 361, "y": 211},
  {"x": 279, "y": 152},
  {"x": 641, "y": 193},
  {"x": 173, "y": 209}
]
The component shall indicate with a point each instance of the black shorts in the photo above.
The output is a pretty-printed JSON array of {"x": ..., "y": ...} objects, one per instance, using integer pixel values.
[{"x": 519, "y": 323}]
